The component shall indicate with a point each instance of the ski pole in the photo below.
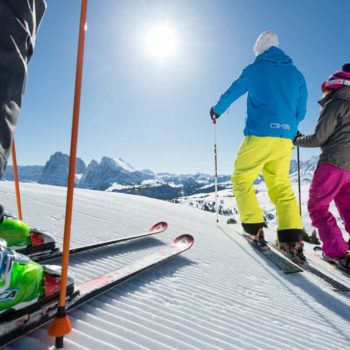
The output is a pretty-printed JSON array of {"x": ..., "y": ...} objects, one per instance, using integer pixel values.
[
  {"x": 216, "y": 171},
  {"x": 61, "y": 326},
  {"x": 15, "y": 175},
  {"x": 298, "y": 159}
]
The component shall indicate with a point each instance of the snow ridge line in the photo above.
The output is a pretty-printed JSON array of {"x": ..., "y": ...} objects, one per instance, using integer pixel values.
[
  {"x": 87, "y": 340},
  {"x": 161, "y": 329},
  {"x": 261, "y": 313},
  {"x": 217, "y": 327},
  {"x": 198, "y": 333},
  {"x": 119, "y": 329},
  {"x": 296, "y": 316}
]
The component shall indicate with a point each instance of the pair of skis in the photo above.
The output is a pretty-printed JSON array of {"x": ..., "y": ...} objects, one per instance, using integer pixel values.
[
  {"x": 289, "y": 266},
  {"x": 18, "y": 323}
]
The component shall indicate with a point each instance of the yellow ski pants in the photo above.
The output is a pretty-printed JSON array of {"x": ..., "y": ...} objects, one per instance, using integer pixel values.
[{"x": 271, "y": 156}]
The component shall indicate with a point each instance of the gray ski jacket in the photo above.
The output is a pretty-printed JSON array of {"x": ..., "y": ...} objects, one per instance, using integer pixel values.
[{"x": 332, "y": 132}]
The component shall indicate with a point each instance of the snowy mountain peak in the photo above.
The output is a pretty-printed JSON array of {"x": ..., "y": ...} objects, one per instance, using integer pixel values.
[
  {"x": 117, "y": 163},
  {"x": 55, "y": 171}
]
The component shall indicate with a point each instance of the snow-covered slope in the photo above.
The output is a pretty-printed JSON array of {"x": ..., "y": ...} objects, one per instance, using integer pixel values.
[
  {"x": 227, "y": 204},
  {"x": 220, "y": 294}
]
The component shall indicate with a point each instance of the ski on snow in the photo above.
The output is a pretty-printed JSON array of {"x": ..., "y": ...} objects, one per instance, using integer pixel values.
[
  {"x": 288, "y": 265},
  {"x": 47, "y": 250},
  {"x": 318, "y": 251},
  {"x": 307, "y": 266},
  {"x": 280, "y": 261},
  {"x": 15, "y": 324}
]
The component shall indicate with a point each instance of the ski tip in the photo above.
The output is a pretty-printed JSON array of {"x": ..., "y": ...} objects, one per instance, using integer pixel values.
[
  {"x": 160, "y": 226},
  {"x": 39, "y": 237},
  {"x": 184, "y": 240}
]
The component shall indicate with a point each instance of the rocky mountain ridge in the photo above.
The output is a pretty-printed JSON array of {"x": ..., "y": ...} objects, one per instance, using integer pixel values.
[{"x": 116, "y": 175}]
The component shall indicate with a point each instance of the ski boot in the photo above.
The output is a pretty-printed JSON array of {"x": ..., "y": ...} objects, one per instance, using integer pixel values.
[
  {"x": 21, "y": 280},
  {"x": 24, "y": 240},
  {"x": 287, "y": 248},
  {"x": 258, "y": 238},
  {"x": 293, "y": 250},
  {"x": 15, "y": 233},
  {"x": 24, "y": 282},
  {"x": 299, "y": 252},
  {"x": 343, "y": 262},
  {"x": 255, "y": 233}
]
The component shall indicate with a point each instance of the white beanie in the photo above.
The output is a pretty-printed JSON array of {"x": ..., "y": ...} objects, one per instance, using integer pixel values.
[{"x": 265, "y": 41}]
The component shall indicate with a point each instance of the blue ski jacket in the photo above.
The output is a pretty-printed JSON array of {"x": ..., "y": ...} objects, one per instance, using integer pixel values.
[{"x": 277, "y": 95}]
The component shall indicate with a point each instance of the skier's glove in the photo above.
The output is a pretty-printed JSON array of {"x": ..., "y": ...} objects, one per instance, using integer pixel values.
[
  {"x": 299, "y": 134},
  {"x": 213, "y": 114}
]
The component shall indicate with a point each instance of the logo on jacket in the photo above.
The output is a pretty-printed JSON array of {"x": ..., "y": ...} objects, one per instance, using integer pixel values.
[{"x": 280, "y": 126}]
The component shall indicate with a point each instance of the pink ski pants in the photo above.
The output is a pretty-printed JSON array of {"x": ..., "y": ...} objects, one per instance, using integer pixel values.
[{"x": 330, "y": 183}]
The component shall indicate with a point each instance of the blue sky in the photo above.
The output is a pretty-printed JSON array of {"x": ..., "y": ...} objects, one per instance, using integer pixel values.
[{"x": 154, "y": 114}]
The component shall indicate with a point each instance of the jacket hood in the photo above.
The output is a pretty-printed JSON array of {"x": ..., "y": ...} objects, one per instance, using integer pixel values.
[
  {"x": 342, "y": 93},
  {"x": 275, "y": 56}
]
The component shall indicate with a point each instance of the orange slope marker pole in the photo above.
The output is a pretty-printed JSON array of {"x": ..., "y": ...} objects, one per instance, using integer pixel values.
[
  {"x": 61, "y": 325},
  {"x": 15, "y": 174}
]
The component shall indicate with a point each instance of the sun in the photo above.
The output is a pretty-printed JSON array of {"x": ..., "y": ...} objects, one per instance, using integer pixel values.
[{"x": 161, "y": 41}]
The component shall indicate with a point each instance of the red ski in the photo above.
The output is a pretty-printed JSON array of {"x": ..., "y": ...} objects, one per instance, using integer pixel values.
[
  {"x": 47, "y": 250},
  {"x": 14, "y": 325}
]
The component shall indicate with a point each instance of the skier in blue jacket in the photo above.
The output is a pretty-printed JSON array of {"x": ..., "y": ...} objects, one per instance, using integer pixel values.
[{"x": 276, "y": 103}]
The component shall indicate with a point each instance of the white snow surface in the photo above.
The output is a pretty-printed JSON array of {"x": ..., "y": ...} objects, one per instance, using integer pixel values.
[{"x": 220, "y": 294}]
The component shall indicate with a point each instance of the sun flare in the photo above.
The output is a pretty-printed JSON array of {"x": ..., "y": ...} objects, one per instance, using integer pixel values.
[{"x": 161, "y": 41}]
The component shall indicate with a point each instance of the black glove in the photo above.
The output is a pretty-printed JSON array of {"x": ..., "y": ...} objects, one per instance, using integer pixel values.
[
  {"x": 213, "y": 114},
  {"x": 299, "y": 134}
]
